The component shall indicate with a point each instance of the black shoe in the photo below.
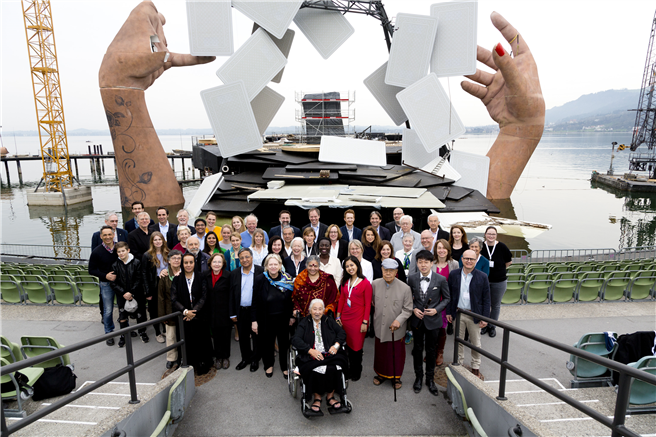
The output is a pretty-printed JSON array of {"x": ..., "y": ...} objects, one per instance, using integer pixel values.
[
  {"x": 355, "y": 378},
  {"x": 110, "y": 342},
  {"x": 417, "y": 385},
  {"x": 170, "y": 364},
  {"x": 133, "y": 334},
  {"x": 242, "y": 365},
  {"x": 121, "y": 341},
  {"x": 432, "y": 387},
  {"x": 492, "y": 332},
  {"x": 449, "y": 329},
  {"x": 484, "y": 330},
  {"x": 254, "y": 366},
  {"x": 269, "y": 375},
  {"x": 144, "y": 337}
]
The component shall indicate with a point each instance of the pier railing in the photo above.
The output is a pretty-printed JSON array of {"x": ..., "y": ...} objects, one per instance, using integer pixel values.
[
  {"x": 616, "y": 423},
  {"x": 129, "y": 369}
]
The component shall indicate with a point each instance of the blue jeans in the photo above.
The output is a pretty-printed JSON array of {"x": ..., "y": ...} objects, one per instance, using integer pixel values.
[
  {"x": 108, "y": 305},
  {"x": 497, "y": 290}
]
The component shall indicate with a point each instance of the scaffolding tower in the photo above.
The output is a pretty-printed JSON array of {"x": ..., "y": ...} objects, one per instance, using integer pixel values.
[
  {"x": 325, "y": 113},
  {"x": 40, "y": 35},
  {"x": 643, "y": 132}
]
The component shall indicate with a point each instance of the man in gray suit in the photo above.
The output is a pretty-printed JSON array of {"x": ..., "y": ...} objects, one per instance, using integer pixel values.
[{"x": 430, "y": 296}]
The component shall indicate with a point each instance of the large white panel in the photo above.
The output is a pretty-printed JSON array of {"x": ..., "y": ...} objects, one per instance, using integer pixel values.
[
  {"x": 256, "y": 62},
  {"x": 414, "y": 154},
  {"x": 454, "y": 53},
  {"x": 326, "y": 30},
  {"x": 284, "y": 44},
  {"x": 231, "y": 117},
  {"x": 351, "y": 151},
  {"x": 265, "y": 106},
  {"x": 204, "y": 194},
  {"x": 473, "y": 168},
  {"x": 386, "y": 94},
  {"x": 430, "y": 112},
  {"x": 274, "y": 16},
  {"x": 412, "y": 46},
  {"x": 209, "y": 24}
]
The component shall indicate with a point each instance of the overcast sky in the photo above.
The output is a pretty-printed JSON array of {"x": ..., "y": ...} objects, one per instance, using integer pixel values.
[{"x": 580, "y": 47}]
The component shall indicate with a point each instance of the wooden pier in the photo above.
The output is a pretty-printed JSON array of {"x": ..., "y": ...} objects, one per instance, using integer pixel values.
[{"x": 96, "y": 162}]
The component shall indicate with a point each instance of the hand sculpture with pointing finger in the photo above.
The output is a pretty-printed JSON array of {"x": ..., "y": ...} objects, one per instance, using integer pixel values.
[
  {"x": 513, "y": 98},
  {"x": 136, "y": 57}
]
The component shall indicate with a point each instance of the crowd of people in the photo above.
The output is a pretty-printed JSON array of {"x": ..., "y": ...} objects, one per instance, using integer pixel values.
[{"x": 322, "y": 288}]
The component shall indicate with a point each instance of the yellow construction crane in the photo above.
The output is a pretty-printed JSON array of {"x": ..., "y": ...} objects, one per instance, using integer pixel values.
[{"x": 42, "y": 52}]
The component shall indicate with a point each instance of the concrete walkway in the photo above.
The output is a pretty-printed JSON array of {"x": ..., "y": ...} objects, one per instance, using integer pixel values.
[{"x": 243, "y": 403}]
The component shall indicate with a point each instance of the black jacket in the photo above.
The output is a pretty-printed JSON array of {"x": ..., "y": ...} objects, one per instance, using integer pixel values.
[
  {"x": 128, "y": 278},
  {"x": 171, "y": 236},
  {"x": 180, "y": 294},
  {"x": 139, "y": 242},
  {"x": 101, "y": 262},
  {"x": 303, "y": 339},
  {"x": 479, "y": 293},
  {"x": 235, "y": 288},
  {"x": 96, "y": 241},
  {"x": 261, "y": 290},
  {"x": 290, "y": 269},
  {"x": 218, "y": 298}
]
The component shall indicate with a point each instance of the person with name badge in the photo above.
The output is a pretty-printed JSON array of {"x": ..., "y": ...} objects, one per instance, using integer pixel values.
[{"x": 500, "y": 259}]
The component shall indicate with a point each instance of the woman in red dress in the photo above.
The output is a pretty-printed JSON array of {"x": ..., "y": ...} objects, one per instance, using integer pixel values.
[{"x": 353, "y": 313}]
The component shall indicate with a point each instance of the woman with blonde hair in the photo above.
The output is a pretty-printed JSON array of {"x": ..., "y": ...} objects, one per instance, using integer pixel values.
[
  {"x": 259, "y": 247},
  {"x": 238, "y": 224},
  {"x": 153, "y": 263},
  {"x": 183, "y": 235}
]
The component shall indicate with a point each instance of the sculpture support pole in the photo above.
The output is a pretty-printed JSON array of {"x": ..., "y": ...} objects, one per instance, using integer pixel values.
[{"x": 144, "y": 172}]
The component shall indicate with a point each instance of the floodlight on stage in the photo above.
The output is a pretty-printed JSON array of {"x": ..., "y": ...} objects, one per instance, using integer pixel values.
[
  {"x": 386, "y": 94},
  {"x": 265, "y": 106},
  {"x": 231, "y": 117},
  {"x": 454, "y": 53},
  {"x": 284, "y": 44},
  {"x": 209, "y": 25},
  {"x": 412, "y": 46},
  {"x": 274, "y": 16},
  {"x": 430, "y": 112},
  {"x": 256, "y": 62}
]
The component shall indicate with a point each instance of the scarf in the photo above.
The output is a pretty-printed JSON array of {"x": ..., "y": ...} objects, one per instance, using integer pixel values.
[
  {"x": 216, "y": 277},
  {"x": 305, "y": 290},
  {"x": 234, "y": 258},
  {"x": 285, "y": 282}
]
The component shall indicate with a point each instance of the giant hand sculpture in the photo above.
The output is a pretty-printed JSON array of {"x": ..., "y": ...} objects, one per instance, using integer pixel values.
[
  {"x": 513, "y": 98},
  {"x": 134, "y": 60}
]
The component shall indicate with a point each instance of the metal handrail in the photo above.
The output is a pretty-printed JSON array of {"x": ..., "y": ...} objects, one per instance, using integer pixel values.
[
  {"x": 129, "y": 369},
  {"x": 626, "y": 372}
]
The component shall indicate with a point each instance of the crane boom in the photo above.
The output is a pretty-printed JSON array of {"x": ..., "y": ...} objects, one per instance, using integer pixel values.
[{"x": 40, "y": 35}]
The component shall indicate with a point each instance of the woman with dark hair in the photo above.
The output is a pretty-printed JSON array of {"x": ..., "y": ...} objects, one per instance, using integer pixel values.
[
  {"x": 271, "y": 312},
  {"x": 312, "y": 283},
  {"x": 386, "y": 251},
  {"x": 153, "y": 263},
  {"x": 218, "y": 293},
  {"x": 276, "y": 246},
  {"x": 211, "y": 243},
  {"x": 338, "y": 246},
  {"x": 165, "y": 307},
  {"x": 443, "y": 264},
  {"x": 370, "y": 243},
  {"x": 308, "y": 237},
  {"x": 353, "y": 313},
  {"x": 458, "y": 242},
  {"x": 500, "y": 258},
  {"x": 329, "y": 263},
  {"x": 188, "y": 295}
]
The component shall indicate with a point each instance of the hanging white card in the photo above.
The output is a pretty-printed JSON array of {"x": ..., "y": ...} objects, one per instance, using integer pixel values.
[
  {"x": 274, "y": 16},
  {"x": 454, "y": 52},
  {"x": 386, "y": 94},
  {"x": 411, "y": 51},
  {"x": 326, "y": 30},
  {"x": 209, "y": 23}
]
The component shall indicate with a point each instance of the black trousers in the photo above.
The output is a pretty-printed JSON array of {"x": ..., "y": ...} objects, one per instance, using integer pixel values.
[
  {"x": 152, "y": 312},
  {"x": 276, "y": 326},
  {"x": 354, "y": 363},
  {"x": 249, "y": 353},
  {"x": 221, "y": 336},
  {"x": 427, "y": 337}
]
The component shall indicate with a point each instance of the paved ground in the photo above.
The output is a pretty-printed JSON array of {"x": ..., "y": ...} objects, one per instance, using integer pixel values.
[{"x": 242, "y": 403}]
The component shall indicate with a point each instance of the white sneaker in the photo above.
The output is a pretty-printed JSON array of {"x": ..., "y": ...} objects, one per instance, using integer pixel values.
[{"x": 160, "y": 338}]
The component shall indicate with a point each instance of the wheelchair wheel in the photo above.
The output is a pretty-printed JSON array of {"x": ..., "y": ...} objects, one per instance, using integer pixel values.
[{"x": 292, "y": 378}]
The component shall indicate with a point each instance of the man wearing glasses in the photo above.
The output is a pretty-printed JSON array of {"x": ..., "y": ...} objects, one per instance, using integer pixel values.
[{"x": 470, "y": 290}]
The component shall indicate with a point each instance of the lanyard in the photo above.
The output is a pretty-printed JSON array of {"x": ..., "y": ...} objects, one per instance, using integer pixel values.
[
  {"x": 352, "y": 286},
  {"x": 493, "y": 249}
]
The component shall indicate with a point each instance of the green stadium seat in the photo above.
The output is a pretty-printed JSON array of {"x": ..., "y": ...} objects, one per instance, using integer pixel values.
[
  {"x": 595, "y": 343},
  {"x": 616, "y": 285},
  {"x": 642, "y": 286},
  {"x": 514, "y": 291},
  {"x": 64, "y": 290},
  {"x": 590, "y": 286},
  {"x": 32, "y": 346},
  {"x": 36, "y": 289},
  {"x": 564, "y": 287},
  {"x": 537, "y": 290},
  {"x": 11, "y": 290},
  {"x": 642, "y": 392},
  {"x": 14, "y": 393},
  {"x": 89, "y": 288},
  {"x": 9, "y": 351}
]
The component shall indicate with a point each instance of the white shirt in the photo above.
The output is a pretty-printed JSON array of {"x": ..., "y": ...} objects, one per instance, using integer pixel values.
[
  {"x": 334, "y": 250},
  {"x": 464, "y": 300},
  {"x": 259, "y": 257},
  {"x": 424, "y": 284},
  {"x": 164, "y": 229},
  {"x": 334, "y": 267},
  {"x": 367, "y": 269},
  {"x": 288, "y": 250}
]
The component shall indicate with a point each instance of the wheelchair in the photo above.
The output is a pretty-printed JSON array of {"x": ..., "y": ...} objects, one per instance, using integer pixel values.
[{"x": 295, "y": 381}]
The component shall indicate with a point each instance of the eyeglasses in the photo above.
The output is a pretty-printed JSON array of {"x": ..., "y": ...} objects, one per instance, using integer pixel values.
[{"x": 469, "y": 259}]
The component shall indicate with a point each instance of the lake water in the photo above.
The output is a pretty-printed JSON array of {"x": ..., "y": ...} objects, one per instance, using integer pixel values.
[{"x": 555, "y": 189}]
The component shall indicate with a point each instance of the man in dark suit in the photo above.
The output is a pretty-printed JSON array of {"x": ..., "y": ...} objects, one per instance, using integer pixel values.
[
  {"x": 375, "y": 218},
  {"x": 350, "y": 232},
  {"x": 169, "y": 230},
  {"x": 139, "y": 239},
  {"x": 434, "y": 227},
  {"x": 285, "y": 218},
  {"x": 395, "y": 225},
  {"x": 470, "y": 290},
  {"x": 111, "y": 219},
  {"x": 319, "y": 228},
  {"x": 430, "y": 296},
  {"x": 241, "y": 300},
  {"x": 132, "y": 224}
]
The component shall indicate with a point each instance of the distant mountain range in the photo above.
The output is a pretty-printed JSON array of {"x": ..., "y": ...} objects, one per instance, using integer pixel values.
[{"x": 602, "y": 111}]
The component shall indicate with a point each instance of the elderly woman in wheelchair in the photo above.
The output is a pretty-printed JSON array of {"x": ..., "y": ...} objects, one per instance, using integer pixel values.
[{"x": 319, "y": 342}]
